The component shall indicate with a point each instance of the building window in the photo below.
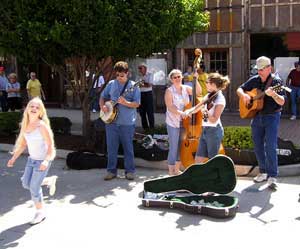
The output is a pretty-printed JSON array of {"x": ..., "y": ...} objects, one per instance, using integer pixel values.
[{"x": 218, "y": 62}]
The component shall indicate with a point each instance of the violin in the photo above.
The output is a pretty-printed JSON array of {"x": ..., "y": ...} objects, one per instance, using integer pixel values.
[{"x": 209, "y": 103}]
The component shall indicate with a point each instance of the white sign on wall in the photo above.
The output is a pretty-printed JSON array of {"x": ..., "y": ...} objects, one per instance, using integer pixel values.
[
  {"x": 283, "y": 66},
  {"x": 157, "y": 67}
]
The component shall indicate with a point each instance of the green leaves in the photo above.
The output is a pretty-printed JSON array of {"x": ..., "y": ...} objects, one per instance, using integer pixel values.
[
  {"x": 238, "y": 137},
  {"x": 56, "y": 29}
]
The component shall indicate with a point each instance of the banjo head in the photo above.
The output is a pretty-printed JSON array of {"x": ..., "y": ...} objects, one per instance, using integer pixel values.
[{"x": 110, "y": 115}]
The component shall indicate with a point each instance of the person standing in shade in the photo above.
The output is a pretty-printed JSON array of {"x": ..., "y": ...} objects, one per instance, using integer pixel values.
[
  {"x": 95, "y": 92},
  {"x": 3, "y": 90},
  {"x": 188, "y": 77},
  {"x": 265, "y": 123},
  {"x": 36, "y": 135},
  {"x": 202, "y": 77},
  {"x": 120, "y": 130},
  {"x": 146, "y": 107},
  {"x": 293, "y": 80},
  {"x": 34, "y": 87},
  {"x": 13, "y": 93}
]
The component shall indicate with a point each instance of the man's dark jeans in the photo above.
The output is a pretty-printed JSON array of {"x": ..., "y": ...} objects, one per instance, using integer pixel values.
[
  {"x": 146, "y": 110},
  {"x": 3, "y": 101}
]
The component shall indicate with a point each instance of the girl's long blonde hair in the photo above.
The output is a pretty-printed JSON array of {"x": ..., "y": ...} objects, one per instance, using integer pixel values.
[{"x": 25, "y": 121}]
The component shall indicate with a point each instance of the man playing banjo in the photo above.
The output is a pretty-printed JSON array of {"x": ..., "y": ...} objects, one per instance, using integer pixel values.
[{"x": 121, "y": 128}]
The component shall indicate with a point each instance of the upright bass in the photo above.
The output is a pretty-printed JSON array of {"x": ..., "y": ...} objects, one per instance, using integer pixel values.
[{"x": 192, "y": 125}]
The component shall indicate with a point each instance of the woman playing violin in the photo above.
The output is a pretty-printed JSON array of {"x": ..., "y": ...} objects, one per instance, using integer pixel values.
[
  {"x": 213, "y": 105},
  {"x": 176, "y": 98}
]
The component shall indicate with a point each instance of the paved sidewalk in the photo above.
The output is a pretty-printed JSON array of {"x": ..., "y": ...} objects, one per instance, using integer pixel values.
[
  {"x": 289, "y": 130},
  {"x": 89, "y": 213}
]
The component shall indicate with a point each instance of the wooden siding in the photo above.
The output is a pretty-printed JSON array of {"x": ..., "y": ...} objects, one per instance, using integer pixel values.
[
  {"x": 232, "y": 22},
  {"x": 274, "y": 15}
]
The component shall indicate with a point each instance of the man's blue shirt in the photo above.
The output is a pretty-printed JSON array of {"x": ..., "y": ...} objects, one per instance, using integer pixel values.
[{"x": 126, "y": 115}]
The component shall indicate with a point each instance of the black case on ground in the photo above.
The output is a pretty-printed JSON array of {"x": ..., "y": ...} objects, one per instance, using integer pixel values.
[{"x": 186, "y": 190}]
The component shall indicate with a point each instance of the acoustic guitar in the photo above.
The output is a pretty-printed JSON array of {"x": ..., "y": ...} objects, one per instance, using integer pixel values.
[
  {"x": 257, "y": 101},
  {"x": 112, "y": 113}
]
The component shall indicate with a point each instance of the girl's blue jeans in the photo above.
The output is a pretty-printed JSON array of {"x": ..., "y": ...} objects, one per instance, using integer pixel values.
[
  {"x": 210, "y": 141},
  {"x": 33, "y": 177}
]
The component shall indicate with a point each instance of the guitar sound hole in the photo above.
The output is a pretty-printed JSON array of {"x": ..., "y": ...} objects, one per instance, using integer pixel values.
[{"x": 249, "y": 106}]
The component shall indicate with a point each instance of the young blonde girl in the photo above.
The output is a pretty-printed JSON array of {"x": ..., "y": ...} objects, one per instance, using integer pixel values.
[{"x": 37, "y": 136}]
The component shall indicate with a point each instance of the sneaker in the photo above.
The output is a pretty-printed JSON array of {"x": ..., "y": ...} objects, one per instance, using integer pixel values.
[
  {"x": 260, "y": 177},
  {"x": 129, "y": 176},
  {"x": 109, "y": 176},
  {"x": 272, "y": 183},
  {"x": 38, "y": 218},
  {"x": 293, "y": 117},
  {"x": 52, "y": 185},
  {"x": 94, "y": 111}
]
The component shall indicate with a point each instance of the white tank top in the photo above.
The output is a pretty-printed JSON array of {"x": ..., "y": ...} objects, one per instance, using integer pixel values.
[
  {"x": 179, "y": 100},
  {"x": 37, "y": 148}
]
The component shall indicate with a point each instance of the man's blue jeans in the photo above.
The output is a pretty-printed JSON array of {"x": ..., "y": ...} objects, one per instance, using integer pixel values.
[
  {"x": 116, "y": 134},
  {"x": 294, "y": 95},
  {"x": 264, "y": 134}
]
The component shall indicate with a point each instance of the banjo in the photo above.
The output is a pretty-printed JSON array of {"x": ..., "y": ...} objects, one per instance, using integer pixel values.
[{"x": 112, "y": 113}]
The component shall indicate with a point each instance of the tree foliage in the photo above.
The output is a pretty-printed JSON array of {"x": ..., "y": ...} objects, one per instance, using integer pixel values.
[
  {"x": 56, "y": 29},
  {"x": 84, "y": 31}
]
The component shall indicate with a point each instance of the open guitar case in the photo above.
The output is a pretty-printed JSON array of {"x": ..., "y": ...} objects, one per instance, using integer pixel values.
[{"x": 186, "y": 190}]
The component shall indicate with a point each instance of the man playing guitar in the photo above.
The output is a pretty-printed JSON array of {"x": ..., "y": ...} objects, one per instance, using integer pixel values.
[
  {"x": 265, "y": 123},
  {"x": 121, "y": 129}
]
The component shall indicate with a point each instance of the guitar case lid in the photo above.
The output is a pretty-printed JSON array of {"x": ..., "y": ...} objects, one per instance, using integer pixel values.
[{"x": 217, "y": 175}]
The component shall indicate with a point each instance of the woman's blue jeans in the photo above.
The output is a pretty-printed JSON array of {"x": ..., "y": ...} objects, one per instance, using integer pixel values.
[
  {"x": 174, "y": 136},
  {"x": 116, "y": 134},
  {"x": 33, "y": 177},
  {"x": 264, "y": 134}
]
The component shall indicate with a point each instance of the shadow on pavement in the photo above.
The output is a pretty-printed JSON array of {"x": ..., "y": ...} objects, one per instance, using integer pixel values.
[
  {"x": 72, "y": 186},
  {"x": 255, "y": 200},
  {"x": 9, "y": 236}
]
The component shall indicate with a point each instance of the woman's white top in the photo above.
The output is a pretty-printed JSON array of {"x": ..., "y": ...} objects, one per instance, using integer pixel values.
[
  {"x": 180, "y": 101},
  {"x": 219, "y": 100},
  {"x": 36, "y": 144}
]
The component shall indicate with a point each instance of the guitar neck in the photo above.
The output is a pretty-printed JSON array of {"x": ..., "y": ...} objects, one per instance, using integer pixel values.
[
  {"x": 127, "y": 90},
  {"x": 259, "y": 96}
]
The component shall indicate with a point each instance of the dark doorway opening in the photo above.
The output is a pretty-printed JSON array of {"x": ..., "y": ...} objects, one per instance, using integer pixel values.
[{"x": 270, "y": 45}]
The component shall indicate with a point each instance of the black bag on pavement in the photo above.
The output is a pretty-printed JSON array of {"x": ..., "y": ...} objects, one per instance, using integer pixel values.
[{"x": 83, "y": 160}]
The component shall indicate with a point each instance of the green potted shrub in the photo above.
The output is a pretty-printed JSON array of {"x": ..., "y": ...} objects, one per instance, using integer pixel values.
[
  {"x": 9, "y": 122},
  {"x": 238, "y": 144}
]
